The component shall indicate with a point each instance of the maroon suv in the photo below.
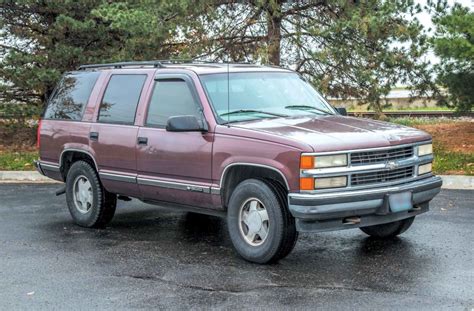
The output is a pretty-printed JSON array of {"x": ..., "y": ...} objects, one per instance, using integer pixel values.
[{"x": 255, "y": 144}]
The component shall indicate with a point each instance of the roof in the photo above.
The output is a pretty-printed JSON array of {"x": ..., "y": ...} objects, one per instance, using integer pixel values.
[{"x": 197, "y": 67}]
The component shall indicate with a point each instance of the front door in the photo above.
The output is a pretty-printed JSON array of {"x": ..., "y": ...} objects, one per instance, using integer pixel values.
[{"x": 174, "y": 166}]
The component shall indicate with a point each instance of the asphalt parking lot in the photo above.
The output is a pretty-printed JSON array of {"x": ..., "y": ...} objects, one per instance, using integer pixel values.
[{"x": 152, "y": 258}]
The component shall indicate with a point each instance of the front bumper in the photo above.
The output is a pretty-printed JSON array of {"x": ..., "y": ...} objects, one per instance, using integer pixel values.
[{"x": 358, "y": 208}]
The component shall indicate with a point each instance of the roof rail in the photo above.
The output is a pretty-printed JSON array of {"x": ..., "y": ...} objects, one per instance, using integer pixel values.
[{"x": 156, "y": 63}]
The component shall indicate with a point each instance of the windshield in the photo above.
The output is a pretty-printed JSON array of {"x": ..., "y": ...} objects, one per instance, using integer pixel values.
[{"x": 258, "y": 95}]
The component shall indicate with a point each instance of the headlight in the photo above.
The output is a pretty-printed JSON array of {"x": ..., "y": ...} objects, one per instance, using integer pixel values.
[
  {"x": 330, "y": 161},
  {"x": 424, "y": 169},
  {"x": 309, "y": 162},
  {"x": 425, "y": 150}
]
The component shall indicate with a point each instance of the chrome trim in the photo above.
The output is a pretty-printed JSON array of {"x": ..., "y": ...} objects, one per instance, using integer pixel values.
[
  {"x": 221, "y": 183},
  {"x": 405, "y": 186},
  {"x": 118, "y": 177},
  {"x": 215, "y": 190},
  {"x": 173, "y": 185},
  {"x": 368, "y": 168},
  {"x": 159, "y": 183},
  {"x": 78, "y": 150},
  {"x": 413, "y": 161},
  {"x": 49, "y": 167},
  {"x": 368, "y": 149}
]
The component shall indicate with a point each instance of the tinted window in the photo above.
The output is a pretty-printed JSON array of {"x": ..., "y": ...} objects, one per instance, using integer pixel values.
[
  {"x": 171, "y": 98},
  {"x": 71, "y": 96},
  {"x": 121, "y": 99}
]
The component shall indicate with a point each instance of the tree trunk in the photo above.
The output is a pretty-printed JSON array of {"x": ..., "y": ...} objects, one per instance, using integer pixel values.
[
  {"x": 377, "y": 107},
  {"x": 274, "y": 32}
]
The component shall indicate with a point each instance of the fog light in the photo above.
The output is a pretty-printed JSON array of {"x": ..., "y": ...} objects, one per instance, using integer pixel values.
[
  {"x": 330, "y": 182},
  {"x": 424, "y": 169}
]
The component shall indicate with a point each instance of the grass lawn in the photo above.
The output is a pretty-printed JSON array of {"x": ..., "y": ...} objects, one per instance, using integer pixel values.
[
  {"x": 436, "y": 108},
  {"x": 17, "y": 160},
  {"x": 453, "y": 143}
]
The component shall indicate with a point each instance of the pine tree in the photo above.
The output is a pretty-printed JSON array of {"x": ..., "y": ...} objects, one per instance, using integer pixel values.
[{"x": 454, "y": 44}]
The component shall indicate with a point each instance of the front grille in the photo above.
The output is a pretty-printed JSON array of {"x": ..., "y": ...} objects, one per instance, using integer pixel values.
[
  {"x": 380, "y": 156},
  {"x": 381, "y": 176}
]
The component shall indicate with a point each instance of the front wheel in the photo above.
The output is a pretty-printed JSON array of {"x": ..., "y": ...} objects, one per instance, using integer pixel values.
[
  {"x": 389, "y": 230},
  {"x": 261, "y": 228}
]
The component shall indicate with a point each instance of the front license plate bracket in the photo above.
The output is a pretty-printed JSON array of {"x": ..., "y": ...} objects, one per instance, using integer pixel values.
[{"x": 400, "y": 202}]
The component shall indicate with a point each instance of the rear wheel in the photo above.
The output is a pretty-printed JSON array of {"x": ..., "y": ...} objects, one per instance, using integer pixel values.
[
  {"x": 389, "y": 230},
  {"x": 89, "y": 203},
  {"x": 260, "y": 226}
]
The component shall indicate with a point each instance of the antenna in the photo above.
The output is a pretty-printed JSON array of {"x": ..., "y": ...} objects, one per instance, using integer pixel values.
[{"x": 228, "y": 94}]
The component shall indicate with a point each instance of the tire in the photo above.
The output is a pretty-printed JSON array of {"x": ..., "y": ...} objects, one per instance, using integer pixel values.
[
  {"x": 389, "y": 230},
  {"x": 90, "y": 205},
  {"x": 251, "y": 200}
]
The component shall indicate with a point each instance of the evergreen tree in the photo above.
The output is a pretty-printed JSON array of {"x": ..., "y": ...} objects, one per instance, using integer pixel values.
[
  {"x": 454, "y": 44},
  {"x": 42, "y": 39},
  {"x": 346, "y": 48}
]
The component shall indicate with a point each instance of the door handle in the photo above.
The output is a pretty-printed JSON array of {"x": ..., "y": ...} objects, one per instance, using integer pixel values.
[
  {"x": 142, "y": 140},
  {"x": 94, "y": 136}
]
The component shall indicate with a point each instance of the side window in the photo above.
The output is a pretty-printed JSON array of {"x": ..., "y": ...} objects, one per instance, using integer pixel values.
[
  {"x": 121, "y": 97},
  {"x": 170, "y": 98},
  {"x": 71, "y": 96}
]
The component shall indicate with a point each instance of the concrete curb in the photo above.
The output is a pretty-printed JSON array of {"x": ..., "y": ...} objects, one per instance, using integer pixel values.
[
  {"x": 458, "y": 182},
  {"x": 449, "y": 181},
  {"x": 24, "y": 177}
]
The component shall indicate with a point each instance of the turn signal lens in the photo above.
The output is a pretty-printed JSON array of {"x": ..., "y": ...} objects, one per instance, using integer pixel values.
[
  {"x": 306, "y": 183},
  {"x": 330, "y": 182},
  {"x": 307, "y": 162},
  {"x": 425, "y": 150},
  {"x": 424, "y": 169}
]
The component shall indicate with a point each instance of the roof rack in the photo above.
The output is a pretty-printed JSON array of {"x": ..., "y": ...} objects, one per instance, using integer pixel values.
[{"x": 156, "y": 63}]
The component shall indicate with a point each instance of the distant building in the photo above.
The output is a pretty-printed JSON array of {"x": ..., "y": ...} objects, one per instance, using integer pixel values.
[{"x": 397, "y": 99}]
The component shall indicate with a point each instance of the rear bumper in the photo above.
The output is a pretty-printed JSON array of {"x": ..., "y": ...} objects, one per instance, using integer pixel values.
[
  {"x": 38, "y": 167},
  {"x": 48, "y": 169},
  {"x": 358, "y": 208}
]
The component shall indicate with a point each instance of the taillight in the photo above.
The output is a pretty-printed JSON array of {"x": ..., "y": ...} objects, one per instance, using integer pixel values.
[{"x": 38, "y": 135}]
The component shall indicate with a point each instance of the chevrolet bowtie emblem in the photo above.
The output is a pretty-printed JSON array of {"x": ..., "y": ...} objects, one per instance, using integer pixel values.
[{"x": 392, "y": 165}]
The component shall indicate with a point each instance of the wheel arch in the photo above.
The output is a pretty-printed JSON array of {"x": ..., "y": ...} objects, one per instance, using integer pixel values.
[
  {"x": 70, "y": 155},
  {"x": 235, "y": 173}
]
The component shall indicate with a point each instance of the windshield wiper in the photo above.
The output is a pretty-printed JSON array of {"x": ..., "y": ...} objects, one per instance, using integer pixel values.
[
  {"x": 252, "y": 111},
  {"x": 306, "y": 107}
]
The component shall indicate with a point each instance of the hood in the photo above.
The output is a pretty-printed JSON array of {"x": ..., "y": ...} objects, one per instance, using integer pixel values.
[{"x": 337, "y": 133}]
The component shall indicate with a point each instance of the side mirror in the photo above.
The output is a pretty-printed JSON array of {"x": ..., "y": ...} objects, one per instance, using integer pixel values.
[
  {"x": 186, "y": 124},
  {"x": 342, "y": 111}
]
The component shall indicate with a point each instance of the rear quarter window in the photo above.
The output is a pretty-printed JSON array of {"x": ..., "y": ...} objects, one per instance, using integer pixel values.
[{"x": 71, "y": 96}]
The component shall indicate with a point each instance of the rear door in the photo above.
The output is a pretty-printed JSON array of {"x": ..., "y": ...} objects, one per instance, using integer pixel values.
[
  {"x": 113, "y": 137},
  {"x": 174, "y": 166}
]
